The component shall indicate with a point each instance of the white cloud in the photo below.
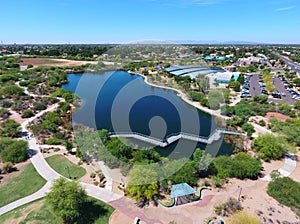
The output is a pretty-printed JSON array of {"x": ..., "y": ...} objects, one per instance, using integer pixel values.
[{"x": 285, "y": 8}]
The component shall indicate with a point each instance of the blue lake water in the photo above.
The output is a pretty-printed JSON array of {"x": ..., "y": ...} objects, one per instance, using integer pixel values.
[{"x": 122, "y": 102}]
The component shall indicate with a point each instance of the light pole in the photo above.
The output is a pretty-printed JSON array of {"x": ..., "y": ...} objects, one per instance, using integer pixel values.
[
  {"x": 67, "y": 168},
  {"x": 240, "y": 192}
]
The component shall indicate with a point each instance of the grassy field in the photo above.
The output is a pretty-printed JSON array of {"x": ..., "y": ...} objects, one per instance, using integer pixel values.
[
  {"x": 62, "y": 165},
  {"x": 24, "y": 182},
  {"x": 94, "y": 211}
]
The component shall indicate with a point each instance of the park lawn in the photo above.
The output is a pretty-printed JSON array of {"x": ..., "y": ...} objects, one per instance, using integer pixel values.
[
  {"x": 59, "y": 163},
  {"x": 24, "y": 182},
  {"x": 94, "y": 211}
]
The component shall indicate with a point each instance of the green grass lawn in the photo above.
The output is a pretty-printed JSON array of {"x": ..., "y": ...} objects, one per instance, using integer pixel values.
[
  {"x": 59, "y": 163},
  {"x": 94, "y": 211},
  {"x": 24, "y": 182}
]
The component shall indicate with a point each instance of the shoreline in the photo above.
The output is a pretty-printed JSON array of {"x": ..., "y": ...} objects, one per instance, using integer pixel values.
[{"x": 183, "y": 96}]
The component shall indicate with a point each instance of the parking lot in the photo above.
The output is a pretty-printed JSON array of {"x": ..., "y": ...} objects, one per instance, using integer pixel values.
[
  {"x": 254, "y": 85},
  {"x": 286, "y": 96}
]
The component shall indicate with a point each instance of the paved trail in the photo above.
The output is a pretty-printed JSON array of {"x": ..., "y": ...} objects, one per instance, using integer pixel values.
[{"x": 50, "y": 175}]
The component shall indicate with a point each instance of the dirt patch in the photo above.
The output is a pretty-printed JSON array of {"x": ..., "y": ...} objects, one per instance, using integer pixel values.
[
  {"x": 119, "y": 217},
  {"x": 48, "y": 62},
  {"x": 18, "y": 166},
  {"x": 278, "y": 116},
  {"x": 25, "y": 211}
]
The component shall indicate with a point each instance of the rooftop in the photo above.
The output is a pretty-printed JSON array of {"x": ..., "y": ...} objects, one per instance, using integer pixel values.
[{"x": 180, "y": 190}]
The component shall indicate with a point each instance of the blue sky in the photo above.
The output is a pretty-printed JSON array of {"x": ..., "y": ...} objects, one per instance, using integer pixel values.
[{"x": 116, "y": 21}]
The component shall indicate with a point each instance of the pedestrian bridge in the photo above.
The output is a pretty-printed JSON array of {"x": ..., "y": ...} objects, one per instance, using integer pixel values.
[{"x": 215, "y": 136}]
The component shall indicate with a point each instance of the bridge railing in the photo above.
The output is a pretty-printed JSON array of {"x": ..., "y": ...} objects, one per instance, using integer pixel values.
[
  {"x": 221, "y": 130},
  {"x": 138, "y": 134}
]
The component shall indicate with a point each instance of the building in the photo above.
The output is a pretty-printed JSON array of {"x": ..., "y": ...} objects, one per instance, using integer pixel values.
[
  {"x": 193, "y": 70},
  {"x": 225, "y": 77}
]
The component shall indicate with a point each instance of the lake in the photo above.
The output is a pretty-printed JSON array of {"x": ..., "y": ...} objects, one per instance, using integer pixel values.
[{"x": 122, "y": 102}]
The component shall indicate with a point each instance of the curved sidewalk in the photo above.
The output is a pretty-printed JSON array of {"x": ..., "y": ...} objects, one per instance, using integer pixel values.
[
  {"x": 290, "y": 164},
  {"x": 50, "y": 174},
  {"x": 37, "y": 195}
]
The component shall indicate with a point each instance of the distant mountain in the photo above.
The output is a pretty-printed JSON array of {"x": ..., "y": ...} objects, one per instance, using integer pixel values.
[{"x": 214, "y": 42}]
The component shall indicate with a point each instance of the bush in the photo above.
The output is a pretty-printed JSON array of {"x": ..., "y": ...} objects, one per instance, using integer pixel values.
[
  {"x": 40, "y": 106},
  {"x": 285, "y": 191},
  {"x": 240, "y": 166},
  {"x": 262, "y": 123},
  {"x": 248, "y": 128},
  {"x": 231, "y": 206},
  {"x": 15, "y": 151},
  {"x": 53, "y": 141},
  {"x": 269, "y": 147},
  {"x": 27, "y": 114},
  {"x": 92, "y": 175},
  {"x": 243, "y": 217}
]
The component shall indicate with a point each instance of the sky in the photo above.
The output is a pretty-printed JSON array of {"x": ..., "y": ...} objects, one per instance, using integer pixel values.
[{"x": 117, "y": 21}]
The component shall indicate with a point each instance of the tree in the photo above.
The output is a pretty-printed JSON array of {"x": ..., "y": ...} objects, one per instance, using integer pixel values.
[
  {"x": 248, "y": 128},
  {"x": 203, "y": 82},
  {"x": 40, "y": 106},
  {"x": 27, "y": 113},
  {"x": 142, "y": 183},
  {"x": 68, "y": 146},
  {"x": 15, "y": 152},
  {"x": 4, "y": 113},
  {"x": 215, "y": 99},
  {"x": 10, "y": 128},
  {"x": 269, "y": 147},
  {"x": 66, "y": 199},
  {"x": 237, "y": 86},
  {"x": 202, "y": 161},
  {"x": 11, "y": 91}
]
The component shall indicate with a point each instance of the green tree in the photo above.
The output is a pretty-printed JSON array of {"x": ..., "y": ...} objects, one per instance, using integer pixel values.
[
  {"x": 68, "y": 146},
  {"x": 203, "y": 83},
  {"x": 27, "y": 113},
  {"x": 10, "y": 128},
  {"x": 142, "y": 183},
  {"x": 215, "y": 99},
  {"x": 15, "y": 152},
  {"x": 66, "y": 199},
  {"x": 11, "y": 91},
  {"x": 40, "y": 106},
  {"x": 269, "y": 147},
  {"x": 202, "y": 161},
  {"x": 248, "y": 128},
  {"x": 237, "y": 86}
]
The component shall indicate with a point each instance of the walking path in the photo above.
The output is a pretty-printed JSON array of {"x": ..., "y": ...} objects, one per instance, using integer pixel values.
[
  {"x": 290, "y": 164},
  {"x": 51, "y": 175},
  {"x": 215, "y": 136}
]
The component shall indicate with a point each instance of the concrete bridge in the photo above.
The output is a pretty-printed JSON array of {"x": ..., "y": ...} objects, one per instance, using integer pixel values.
[{"x": 215, "y": 136}]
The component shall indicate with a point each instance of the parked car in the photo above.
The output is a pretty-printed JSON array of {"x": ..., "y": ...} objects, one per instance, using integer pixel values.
[{"x": 276, "y": 94}]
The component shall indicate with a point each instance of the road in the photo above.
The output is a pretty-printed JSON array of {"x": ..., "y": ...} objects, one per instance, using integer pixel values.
[
  {"x": 293, "y": 65},
  {"x": 254, "y": 85},
  {"x": 280, "y": 87}
]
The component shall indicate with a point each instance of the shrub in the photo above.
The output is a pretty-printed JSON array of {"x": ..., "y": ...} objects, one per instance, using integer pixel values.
[
  {"x": 27, "y": 113},
  {"x": 285, "y": 191},
  {"x": 269, "y": 147},
  {"x": 231, "y": 206},
  {"x": 243, "y": 217},
  {"x": 53, "y": 141},
  {"x": 15, "y": 152},
  {"x": 40, "y": 106}
]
